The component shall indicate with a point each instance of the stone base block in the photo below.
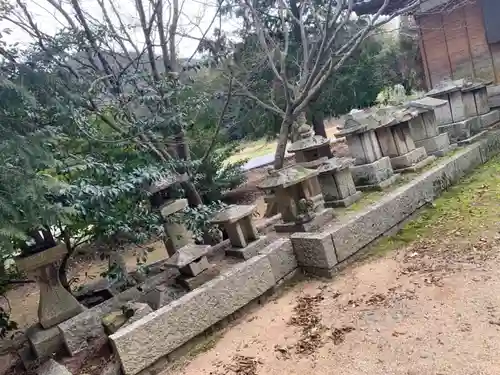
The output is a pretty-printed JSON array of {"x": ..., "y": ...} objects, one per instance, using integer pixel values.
[
  {"x": 382, "y": 185},
  {"x": 281, "y": 257},
  {"x": 420, "y": 165},
  {"x": 151, "y": 338},
  {"x": 490, "y": 118},
  {"x": 162, "y": 295},
  {"x": 437, "y": 146},
  {"x": 44, "y": 342},
  {"x": 317, "y": 222},
  {"x": 51, "y": 367},
  {"x": 346, "y": 202},
  {"x": 472, "y": 138},
  {"x": 410, "y": 158},
  {"x": 191, "y": 283},
  {"x": 461, "y": 130},
  {"x": 372, "y": 174},
  {"x": 251, "y": 250},
  {"x": 80, "y": 330},
  {"x": 314, "y": 249}
]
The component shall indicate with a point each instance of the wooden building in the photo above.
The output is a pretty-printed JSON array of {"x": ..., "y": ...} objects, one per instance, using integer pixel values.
[{"x": 458, "y": 39}]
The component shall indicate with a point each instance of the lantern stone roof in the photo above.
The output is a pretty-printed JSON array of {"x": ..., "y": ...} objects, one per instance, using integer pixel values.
[
  {"x": 336, "y": 164},
  {"x": 233, "y": 214},
  {"x": 187, "y": 254},
  {"x": 287, "y": 177},
  {"x": 426, "y": 103},
  {"x": 308, "y": 144}
]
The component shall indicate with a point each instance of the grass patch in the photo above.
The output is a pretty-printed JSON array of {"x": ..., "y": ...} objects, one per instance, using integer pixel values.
[
  {"x": 465, "y": 212},
  {"x": 253, "y": 149}
]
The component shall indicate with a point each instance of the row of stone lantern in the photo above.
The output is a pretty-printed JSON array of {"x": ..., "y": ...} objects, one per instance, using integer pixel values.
[{"x": 465, "y": 113}]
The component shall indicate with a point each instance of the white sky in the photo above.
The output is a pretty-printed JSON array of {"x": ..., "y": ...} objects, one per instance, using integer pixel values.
[{"x": 193, "y": 12}]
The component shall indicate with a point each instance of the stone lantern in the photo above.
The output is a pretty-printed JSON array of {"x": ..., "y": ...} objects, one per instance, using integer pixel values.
[
  {"x": 299, "y": 198},
  {"x": 176, "y": 234},
  {"x": 396, "y": 142},
  {"x": 372, "y": 170},
  {"x": 467, "y": 114},
  {"x": 337, "y": 183},
  {"x": 55, "y": 304},
  {"x": 424, "y": 127},
  {"x": 240, "y": 228}
]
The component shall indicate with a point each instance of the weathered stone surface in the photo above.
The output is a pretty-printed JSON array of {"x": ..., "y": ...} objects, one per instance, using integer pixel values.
[
  {"x": 461, "y": 130},
  {"x": 435, "y": 145},
  {"x": 159, "y": 333},
  {"x": 87, "y": 326},
  {"x": 314, "y": 249},
  {"x": 281, "y": 257},
  {"x": 51, "y": 367},
  {"x": 191, "y": 283},
  {"x": 112, "y": 368},
  {"x": 44, "y": 342},
  {"x": 490, "y": 118},
  {"x": 171, "y": 207},
  {"x": 187, "y": 255},
  {"x": 7, "y": 361},
  {"x": 373, "y": 173},
  {"x": 113, "y": 321},
  {"x": 366, "y": 226},
  {"x": 468, "y": 160},
  {"x": 162, "y": 295},
  {"x": 409, "y": 159},
  {"x": 81, "y": 329},
  {"x": 249, "y": 251},
  {"x": 140, "y": 311},
  {"x": 195, "y": 267},
  {"x": 490, "y": 145},
  {"x": 481, "y": 99}
]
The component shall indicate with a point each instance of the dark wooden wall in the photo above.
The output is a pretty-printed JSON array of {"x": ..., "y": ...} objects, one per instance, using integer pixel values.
[{"x": 454, "y": 45}]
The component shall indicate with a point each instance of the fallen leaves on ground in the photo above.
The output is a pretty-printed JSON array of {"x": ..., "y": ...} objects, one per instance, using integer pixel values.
[
  {"x": 242, "y": 365},
  {"x": 338, "y": 334},
  {"x": 306, "y": 315}
]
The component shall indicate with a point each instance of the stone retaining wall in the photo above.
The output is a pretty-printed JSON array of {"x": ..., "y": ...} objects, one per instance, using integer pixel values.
[{"x": 155, "y": 336}]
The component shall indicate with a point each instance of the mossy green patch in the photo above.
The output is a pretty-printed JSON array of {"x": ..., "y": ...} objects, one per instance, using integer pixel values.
[{"x": 467, "y": 210}]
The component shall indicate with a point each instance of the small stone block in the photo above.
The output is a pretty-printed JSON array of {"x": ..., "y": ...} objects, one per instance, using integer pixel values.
[
  {"x": 346, "y": 202},
  {"x": 320, "y": 219},
  {"x": 113, "y": 321},
  {"x": 51, "y": 367},
  {"x": 381, "y": 185},
  {"x": 420, "y": 165},
  {"x": 408, "y": 159},
  {"x": 373, "y": 173},
  {"x": 251, "y": 250},
  {"x": 314, "y": 249},
  {"x": 140, "y": 311},
  {"x": 191, "y": 283},
  {"x": 195, "y": 267},
  {"x": 281, "y": 257},
  {"x": 472, "y": 139},
  {"x": 80, "y": 330},
  {"x": 186, "y": 255},
  {"x": 490, "y": 118},
  {"x": 440, "y": 143},
  {"x": 44, "y": 342},
  {"x": 172, "y": 207}
]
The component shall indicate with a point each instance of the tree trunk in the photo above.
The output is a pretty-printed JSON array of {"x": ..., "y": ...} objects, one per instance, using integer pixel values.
[
  {"x": 318, "y": 123},
  {"x": 62, "y": 272},
  {"x": 279, "y": 156},
  {"x": 192, "y": 195}
]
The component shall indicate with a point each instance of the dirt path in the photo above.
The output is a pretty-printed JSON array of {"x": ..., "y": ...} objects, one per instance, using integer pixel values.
[{"x": 429, "y": 303}]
